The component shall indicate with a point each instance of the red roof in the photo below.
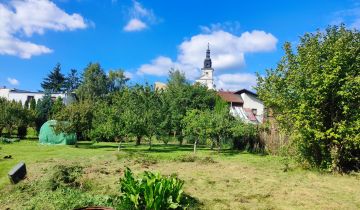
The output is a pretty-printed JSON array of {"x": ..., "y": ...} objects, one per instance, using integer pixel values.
[
  {"x": 230, "y": 97},
  {"x": 250, "y": 114}
]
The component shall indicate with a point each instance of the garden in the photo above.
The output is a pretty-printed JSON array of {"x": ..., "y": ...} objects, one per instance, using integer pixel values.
[{"x": 138, "y": 147}]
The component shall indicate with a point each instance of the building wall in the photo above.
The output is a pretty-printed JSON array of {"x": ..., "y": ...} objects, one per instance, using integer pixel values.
[
  {"x": 252, "y": 102},
  {"x": 6, "y": 93}
]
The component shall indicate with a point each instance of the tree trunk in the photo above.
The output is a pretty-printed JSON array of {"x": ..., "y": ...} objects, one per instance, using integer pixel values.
[
  {"x": 138, "y": 140},
  {"x": 219, "y": 144},
  {"x": 195, "y": 143},
  {"x": 212, "y": 144},
  {"x": 181, "y": 139},
  {"x": 150, "y": 143}
]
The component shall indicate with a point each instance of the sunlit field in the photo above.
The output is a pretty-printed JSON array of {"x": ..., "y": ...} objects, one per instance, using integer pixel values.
[{"x": 225, "y": 180}]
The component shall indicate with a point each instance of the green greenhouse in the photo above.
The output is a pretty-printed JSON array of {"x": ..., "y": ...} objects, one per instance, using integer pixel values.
[{"x": 48, "y": 136}]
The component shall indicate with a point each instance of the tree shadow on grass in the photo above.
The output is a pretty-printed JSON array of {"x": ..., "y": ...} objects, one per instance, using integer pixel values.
[
  {"x": 161, "y": 148},
  {"x": 191, "y": 202},
  {"x": 92, "y": 145}
]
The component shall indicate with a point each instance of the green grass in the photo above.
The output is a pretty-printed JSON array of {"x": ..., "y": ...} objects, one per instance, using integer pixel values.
[{"x": 226, "y": 180}]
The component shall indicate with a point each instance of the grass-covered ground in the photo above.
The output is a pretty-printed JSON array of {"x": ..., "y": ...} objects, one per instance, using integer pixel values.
[{"x": 229, "y": 180}]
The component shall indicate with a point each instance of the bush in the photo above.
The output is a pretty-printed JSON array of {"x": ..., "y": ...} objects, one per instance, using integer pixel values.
[
  {"x": 188, "y": 158},
  {"x": 314, "y": 96},
  {"x": 150, "y": 191},
  {"x": 5, "y": 140},
  {"x": 246, "y": 137},
  {"x": 22, "y": 131}
]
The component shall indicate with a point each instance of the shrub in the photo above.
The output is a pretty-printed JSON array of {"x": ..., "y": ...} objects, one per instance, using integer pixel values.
[
  {"x": 188, "y": 158},
  {"x": 150, "y": 191},
  {"x": 5, "y": 140},
  {"x": 313, "y": 94},
  {"x": 22, "y": 131},
  {"x": 66, "y": 176}
]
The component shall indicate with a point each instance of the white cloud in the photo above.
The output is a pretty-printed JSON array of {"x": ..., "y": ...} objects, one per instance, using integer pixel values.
[
  {"x": 351, "y": 17},
  {"x": 30, "y": 17},
  {"x": 140, "y": 18},
  {"x": 129, "y": 74},
  {"x": 235, "y": 81},
  {"x": 135, "y": 25},
  {"x": 159, "y": 66},
  {"x": 230, "y": 26},
  {"x": 13, "y": 81},
  {"x": 227, "y": 52}
]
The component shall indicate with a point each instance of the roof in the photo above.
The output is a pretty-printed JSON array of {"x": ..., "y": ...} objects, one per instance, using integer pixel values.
[
  {"x": 230, "y": 97},
  {"x": 245, "y": 91},
  {"x": 14, "y": 90},
  {"x": 22, "y": 91},
  {"x": 250, "y": 114}
]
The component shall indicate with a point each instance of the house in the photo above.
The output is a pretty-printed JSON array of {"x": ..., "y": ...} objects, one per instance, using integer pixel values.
[
  {"x": 245, "y": 105},
  {"x": 24, "y": 96}
]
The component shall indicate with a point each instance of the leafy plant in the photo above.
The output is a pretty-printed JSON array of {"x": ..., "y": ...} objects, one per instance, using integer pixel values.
[{"x": 151, "y": 191}]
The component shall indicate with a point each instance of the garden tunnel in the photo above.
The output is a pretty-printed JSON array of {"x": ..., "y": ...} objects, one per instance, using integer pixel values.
[{"x": 48, "y": 136}]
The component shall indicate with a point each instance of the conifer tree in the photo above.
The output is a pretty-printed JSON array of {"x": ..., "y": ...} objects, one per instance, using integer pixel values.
[{"x": 55, "y": 81}]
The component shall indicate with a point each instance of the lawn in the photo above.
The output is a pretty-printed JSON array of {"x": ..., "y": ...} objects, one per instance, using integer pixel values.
[{"x": 226, "y": 180}]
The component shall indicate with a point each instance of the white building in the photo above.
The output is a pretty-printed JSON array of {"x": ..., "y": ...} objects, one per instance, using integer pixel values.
[
  {"x": 24, "y": 96},
  {"x": 207, "y": 72},
  {"x": 245, "y": 105}
]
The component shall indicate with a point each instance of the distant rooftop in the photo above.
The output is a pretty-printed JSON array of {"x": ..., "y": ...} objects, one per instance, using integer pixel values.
[{"x": 230, "y": 97}]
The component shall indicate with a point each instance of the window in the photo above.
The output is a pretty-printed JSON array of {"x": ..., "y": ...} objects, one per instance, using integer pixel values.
[
  {"x": 28, "y": 99},
  {"x": 254, "y": 111}
]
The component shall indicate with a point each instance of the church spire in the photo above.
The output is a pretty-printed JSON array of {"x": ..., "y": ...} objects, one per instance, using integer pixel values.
[{"x": 207, "y": 61}]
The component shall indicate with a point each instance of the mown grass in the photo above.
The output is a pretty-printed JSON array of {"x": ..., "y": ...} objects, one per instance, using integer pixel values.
[{"x": 226, "y": 180}]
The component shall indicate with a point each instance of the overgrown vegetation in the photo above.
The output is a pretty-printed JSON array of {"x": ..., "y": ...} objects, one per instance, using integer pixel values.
[{"x": 314, "y": 95}]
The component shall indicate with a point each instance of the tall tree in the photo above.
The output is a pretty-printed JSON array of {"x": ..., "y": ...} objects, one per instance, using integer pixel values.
[
  {"x": 315, "y": 94},
  {"x": 197, "y": 124},
  {"x": 132, "y": 116},
  {"x": 117, "y": 80},
  {"x": 43, "y": 110},
  {"x": 180, "y": 97},
  {"x": 77, "y": 118},
  {"x": 94, "y": 84},
  {"x": 72, "y": 81},
  {"x": 55, "y": 81}
]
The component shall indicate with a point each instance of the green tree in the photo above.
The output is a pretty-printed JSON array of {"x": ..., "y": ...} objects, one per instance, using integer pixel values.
[
  {"x": 76, "y": 118},
  {"x": 197, "y": 124},
  {"x": 43, "y": 110},
  {"x": 72, "y": 81},
  {"x": 134, "y": 109},
  {"x": 179, "y": 97},
  {"x": 32, "y": 104},
  {"x": 56, "y": 107},
  {"x": 315, "y": 94},
  {"x": 95, "y": 83},
  {"x": 107, "y": 124},
  {"x": 55, "y": 81},
  {"x": 117, "y": 80},
  {"x": 13, "y": 116},
  {"x": 3, "y": 105},
  {"x": 220, "y": 123}
]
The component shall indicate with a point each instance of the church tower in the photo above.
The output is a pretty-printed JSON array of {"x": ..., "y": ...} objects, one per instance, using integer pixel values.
[{"x": 207, "y": 72}]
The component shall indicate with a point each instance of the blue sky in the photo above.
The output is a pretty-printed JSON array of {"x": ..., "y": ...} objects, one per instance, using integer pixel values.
[{"x": 147, "y": 38}]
